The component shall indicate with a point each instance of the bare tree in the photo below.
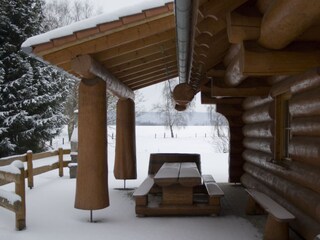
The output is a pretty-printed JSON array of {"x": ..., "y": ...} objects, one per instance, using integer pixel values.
[
  {"x": 59, "y": 13},
  {"x": 171, "y": 117},
  {"x": 220, "y": 131}
]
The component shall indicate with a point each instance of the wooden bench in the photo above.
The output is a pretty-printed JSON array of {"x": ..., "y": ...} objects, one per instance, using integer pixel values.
[
  {"x": 141, "y": 194},
  {"x": 278, "y": 217},
  {"x": 14, "y": 201},
  {"x": 213, "y": 190}
]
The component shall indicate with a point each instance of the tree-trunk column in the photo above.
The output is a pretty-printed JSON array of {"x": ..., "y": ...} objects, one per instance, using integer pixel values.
[
  {"x": 125, "y": 158},
  {"x": 92, "y": 175}
]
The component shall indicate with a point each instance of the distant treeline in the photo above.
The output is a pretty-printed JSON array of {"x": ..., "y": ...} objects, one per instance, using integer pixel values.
[{"x": 194, "y": 119}]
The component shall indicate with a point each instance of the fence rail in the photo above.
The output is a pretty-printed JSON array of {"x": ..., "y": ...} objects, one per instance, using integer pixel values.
[
  {"x": 8, "y": 173},
  {"x": 30, "y": 157}
]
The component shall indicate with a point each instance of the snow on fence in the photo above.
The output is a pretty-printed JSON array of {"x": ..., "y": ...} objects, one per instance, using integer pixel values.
[
  {"x": 12, "y": 170},
  {"x": 30, "y": 157},
  {"x": 14, "y": 201}
]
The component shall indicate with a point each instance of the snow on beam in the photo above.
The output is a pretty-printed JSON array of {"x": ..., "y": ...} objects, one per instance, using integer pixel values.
[{"x": 89, "y": 68}]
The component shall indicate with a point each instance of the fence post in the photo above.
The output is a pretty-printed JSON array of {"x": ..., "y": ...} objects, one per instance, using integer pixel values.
[
  {"x": 60, "y": 153},
  {"x": 20, "y": 190},
  {"x": 30, "y": 169}
]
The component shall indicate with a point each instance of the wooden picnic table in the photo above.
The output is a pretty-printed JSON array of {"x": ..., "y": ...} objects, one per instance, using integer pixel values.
[
  {"x": 177, "y": 181},
  {"x": 178, "y": 188}
]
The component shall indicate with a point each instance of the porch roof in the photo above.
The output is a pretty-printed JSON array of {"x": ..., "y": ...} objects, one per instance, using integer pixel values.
[{"x": 138, "y": 49}]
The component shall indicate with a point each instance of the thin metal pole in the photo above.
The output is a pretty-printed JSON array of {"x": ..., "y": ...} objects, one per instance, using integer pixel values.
[
  {"x": 91, "y": 218},
  {"x": 124, "y": 184}
]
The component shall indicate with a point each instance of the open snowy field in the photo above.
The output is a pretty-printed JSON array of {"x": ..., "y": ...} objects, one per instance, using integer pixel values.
[{"x": 51, "y": 215}]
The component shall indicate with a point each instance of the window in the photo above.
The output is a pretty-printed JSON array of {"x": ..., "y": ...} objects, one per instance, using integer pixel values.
[{"x": 282, "y": 127}]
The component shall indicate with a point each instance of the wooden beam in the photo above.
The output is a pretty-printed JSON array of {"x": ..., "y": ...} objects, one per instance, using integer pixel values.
[
  {"x": 170, "y": 60},
  {"x": 217, "y": 7},
  {"x": 269, "y": 63},
  {"x": 160, "y": 72},
  {"x": 153, "y": 81},
  {"x": 213, "y": 73},
  {"x": 88, "y": 68},
  {"x": 142, "y": 53},
  {"x": 148, "y": 72},
  {"x": 140, "y": 31},
  {"x": 217, "y": 91},
  {"x": 159, "y": 56},
  {"x": 285, "y": 20},
  {"x": 151, "y": 76},
  {"x": 253, "y": 61},
  {"x": 241, "y": 28},
  {"x": 136, "y": 45},
  {"x": 207, "y": 99}
]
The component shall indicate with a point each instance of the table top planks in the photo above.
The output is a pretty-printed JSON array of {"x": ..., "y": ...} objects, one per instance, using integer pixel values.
[
  {"x": 168, "y": 174},
  {"x": 186, "y": 174},
  {"x": 189, "y": 175}
]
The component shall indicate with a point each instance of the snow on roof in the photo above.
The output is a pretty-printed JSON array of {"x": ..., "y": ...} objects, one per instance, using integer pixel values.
[{"x": 92, "y": 22}]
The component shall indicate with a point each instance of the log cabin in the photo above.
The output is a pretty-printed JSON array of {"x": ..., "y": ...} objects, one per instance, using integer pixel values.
[{"x": 258, "y": 61}]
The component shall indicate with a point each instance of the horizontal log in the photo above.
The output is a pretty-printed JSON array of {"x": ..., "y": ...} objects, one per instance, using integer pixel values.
[
  {"x": 305, "y": 104},
  {"x": 241, "y": 28},
  {"x": 252, "y": 102},
  {"x": 88, "y": 68},
  {"x": 298, "y": 83},
  {"x": 269, "y": 63},
  {"x": 43, "y": 169},
  {"x": 7, "y": 204},
  {"x": 217, "y": 91},
  {"x": 260, "y": 144},
  {"x": 303, "y": 174},
  {"x": 305, "y": 149},
  {"x": 205, "y": 99},
  {"x": 37, "y": 156},
  {"x": 8, "y": 160},
  {"x": 304, "y": 198},
  {"x": 183, "y": 94},
  {"x": 9, "y": 177},
  {"x": 304, "y": 224},
  {"x": 262, "y": 113},
  {"x": 306, "y": 126},
  {"x": 286, "y": 20},
  {"x": 259, "y": 130},
  {"x": 231, "y": 54}
]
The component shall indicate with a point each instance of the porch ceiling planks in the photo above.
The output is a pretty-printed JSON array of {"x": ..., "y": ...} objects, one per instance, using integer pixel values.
[{"x": 138, "y": 50}]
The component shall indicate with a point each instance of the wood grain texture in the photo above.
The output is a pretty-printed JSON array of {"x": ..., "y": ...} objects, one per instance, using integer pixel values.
[
  {"x": 125, "y": 166},
  {"x": 92, "y": 172}
]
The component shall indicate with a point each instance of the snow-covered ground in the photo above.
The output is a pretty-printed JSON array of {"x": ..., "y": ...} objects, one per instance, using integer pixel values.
[{"x": 51, "y": 215}]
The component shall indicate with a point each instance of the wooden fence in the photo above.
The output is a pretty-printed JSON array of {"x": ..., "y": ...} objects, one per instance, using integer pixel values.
[
  {"x": 12, "y": 170},
  {"x": 14, "y": 201},
  {"x": 30, "y": 157}
]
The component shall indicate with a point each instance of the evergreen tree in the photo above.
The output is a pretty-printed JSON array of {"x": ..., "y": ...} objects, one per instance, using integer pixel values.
[{"x": 31, "y": 93}]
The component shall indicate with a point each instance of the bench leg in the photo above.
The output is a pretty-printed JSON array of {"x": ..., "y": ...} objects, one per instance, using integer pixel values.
[
  {"x": 253, "y": 208},
  {"x": 276, "y": 230}
]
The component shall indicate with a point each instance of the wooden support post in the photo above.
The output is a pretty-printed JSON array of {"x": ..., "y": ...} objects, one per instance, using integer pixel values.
[
  {"x": 30, "y": 169},
  {"x": 275, "y": 230},
  {"x": 20, "y": 190},
  {"x": 92, "y": 173},
  {"x": 60, "y": 154},
  {"x": 125, "y": 157}
]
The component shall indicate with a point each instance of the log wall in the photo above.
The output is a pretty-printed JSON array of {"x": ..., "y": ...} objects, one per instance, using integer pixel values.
[{"x": 294, "y": 183}]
